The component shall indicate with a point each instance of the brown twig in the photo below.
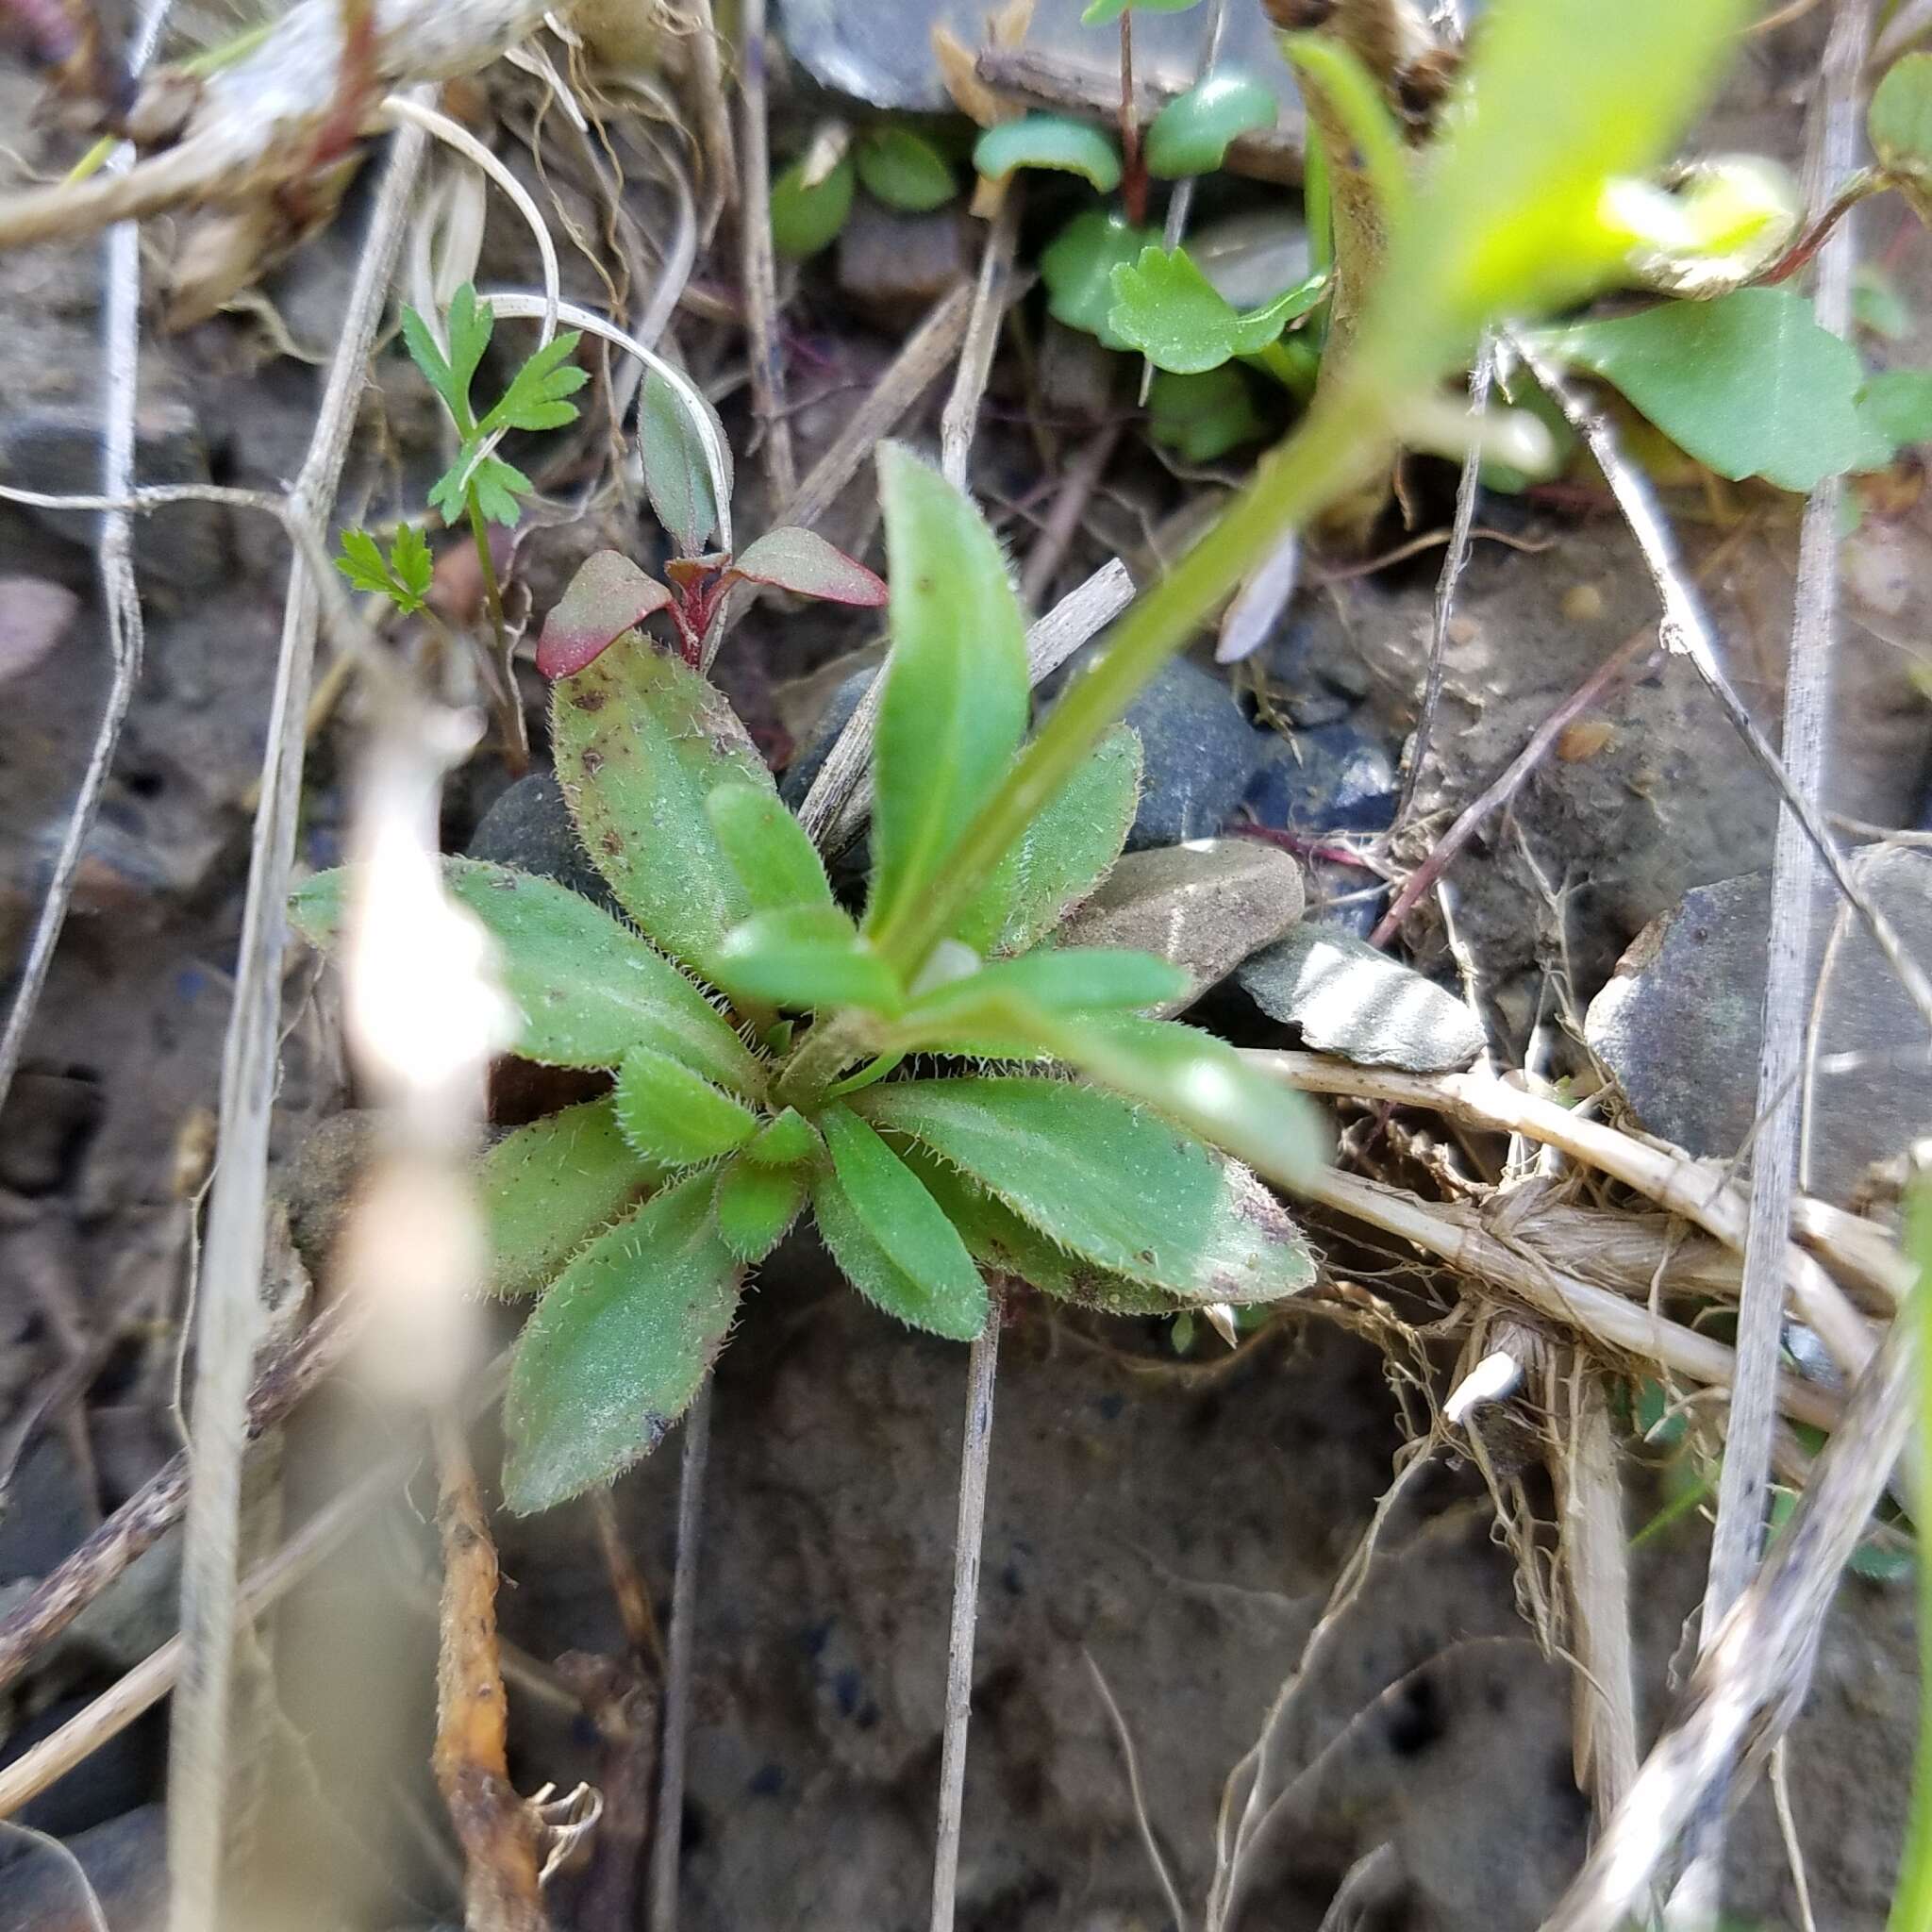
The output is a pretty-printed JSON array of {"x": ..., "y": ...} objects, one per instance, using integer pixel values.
[
  {"x": 1076, "y": 487},
  {"x": 633, "y": 1600},
  {"x": 496, "y": 1828}
]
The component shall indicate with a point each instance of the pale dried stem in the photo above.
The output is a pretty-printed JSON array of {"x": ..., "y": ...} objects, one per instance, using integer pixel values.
[
  {"x": 1744, "y": 1475},
  {"x": 992, "y": 291},
  {"x": 1130, "y": 1757},
  {"x": 1698, "y": 1190},
  {"x": 230, "y": 1313},
  {"x": 667, "y": 1845},
  {"x": 758, "y": 268},
  {"x": 1752, "y": 1681},
  {"x": 839, "y": 800},
  {"x": 974, "y": 1453},
  {"x": 717, "y": 142},
  {"x": 496, "y": 1830}
]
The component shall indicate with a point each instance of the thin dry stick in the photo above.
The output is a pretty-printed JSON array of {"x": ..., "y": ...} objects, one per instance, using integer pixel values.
[
  {"x": 1751, "y": 1683},
  {"x": 760, "y": 271},
  {"x": 230, "y": 1305},
  {"x": 992, "y": 293},
  {"x": 634, "y": 1611},
  {"x": 496, "y": 1828},
  {"x": 120, "y": 594},
  {"x": 1456, "y": 560},
  {"x": 1696, "y": 1190},
  {"x": 1076, "y": 487},
  {"x": 666, "y": 1843},
  {"x": 974, "y": 1453},
  {"x": 156, "y": 1506},
  {"x": 1132, "y": 1760},
  {"x": 718, "y": 147},
  {"x": 839, "y": 800},
  {"x": 1686, "y": 632},
  {"x": 1744, "y": 1475}
]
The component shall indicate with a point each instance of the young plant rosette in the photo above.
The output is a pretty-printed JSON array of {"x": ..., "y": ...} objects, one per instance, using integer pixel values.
[{"x": 947, "y": 1102}]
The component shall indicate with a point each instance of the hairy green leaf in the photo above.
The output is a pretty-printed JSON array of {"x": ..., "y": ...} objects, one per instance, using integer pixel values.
[
  {"x": 755, "y": 1206},
  {"x": 1203, "y": 417},
  {"x": 587, "y": 990},
  {"x": 889, "y": 1237},
  {"x": 547, "y": 1187},
  {"x": 955, "y": 695},
  {"x": 808, "y": 215},
  {"x": 617, "y": 1349},
  {"x": 1074, "y": 979},
  {"x": 1062, "y": 854},
  {"x": 904, "y": 170},
  {"x": 640, "y": 741},
  {"x": 677, "y": 473},
  {"x": 785, "y": 1141},
  {"x": 673, "y": 1115},
  {"x": 1123, "y": 1187},
  {"x": 1078, "y": 267},
  {"x": 780, "y": 865},
  {"x": 1049, "y": 141},
  {"x": 609, "y": 595},
  {"x": 806, "y": 957},
  {"x": 1192, "y": 134},
  {"x": 803, "y": 562},
  {"x": 1164, "y": 307},
  {"x": 1748, "y": 384}
]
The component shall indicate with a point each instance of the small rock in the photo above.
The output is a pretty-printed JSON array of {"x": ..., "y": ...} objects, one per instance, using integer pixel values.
[
  {"x": 1253, "y": 257},
  {"x": 1206, "y": 907},
  {"x": 1200, "y": 756},
  {"x": 34, "y": 617},
  {"x": 1077, "y": 376},
  {"x": 48, "y": 1511},
  {"x": 45, "y": 1128},
  {"x": 529, "y": 826},
  {"x": 815, "y": 745},
  {"x": 1316, "y": 672},
  {"x": 321, "y": 1180},
  {"x": 1681, "y": 1023},
  {"x": 1349, "y": 999},
  {"x": 56, "y": 448},
  {"x": 126, "y": 1861},
  {"x": 892, "y": 267},
  {"x": 1333, "y": 778}
]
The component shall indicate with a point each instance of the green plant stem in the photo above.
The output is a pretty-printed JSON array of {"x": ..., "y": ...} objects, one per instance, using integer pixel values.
[
  {"x": 1335, "y": 447},
  {"x": 1911, "y": 1904},
  {"x": 509, "y": 713},
  {"x": 811, "y": 1075},
  {"x": 1292, "y": 364}
]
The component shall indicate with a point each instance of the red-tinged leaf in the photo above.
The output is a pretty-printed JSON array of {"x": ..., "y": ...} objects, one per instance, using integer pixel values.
[
  {"x": 608, "y": 596},
  {"x": 803, "y": 562}
]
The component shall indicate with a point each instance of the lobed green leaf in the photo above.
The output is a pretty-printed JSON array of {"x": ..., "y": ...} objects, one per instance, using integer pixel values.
[
  {"x": 641, "y": 741},
  {"x": 535, "y": 399},
  {"x": 547, "y": 1187},
  {"x": 587, "y": 990},
  {"x": 889, "y": 1237},
  {"x": 673, "y": 1116},
  {"x": 1164, "y": 307},
  {"x": 1124, "y": 1189},
  {"x": 616, "y": 1350},
  {"x": 955, "y": 701}
]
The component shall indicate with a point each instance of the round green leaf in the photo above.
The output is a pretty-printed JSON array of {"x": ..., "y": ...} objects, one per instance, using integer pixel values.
[
  {"x": 1078, "y": 267},
  {"x": 1104, "y": 12},
  {"x": 1049, "y": 141},
  {"x": 904, "y": 170},
  {"x": 1192, "y": 134},
  {"x": 807, "y": 216}
]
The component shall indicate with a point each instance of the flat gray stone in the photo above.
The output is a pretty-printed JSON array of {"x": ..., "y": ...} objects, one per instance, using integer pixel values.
[
  {"x": 1681, "y": 1023},
  {"x": 1349, "y": 999},
  {"x": 1206, "y": 907}
]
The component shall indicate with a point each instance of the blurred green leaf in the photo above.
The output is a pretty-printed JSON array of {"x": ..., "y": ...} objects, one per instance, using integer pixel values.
[
  {"x": 956, "y": 694},
  {"x": 1074, "y": 979},
  {"x": 1201, "y": 418},
  {"x": 1897, "y": 406},
  {"x": 807, "y": 216},
  {"x": 677, "y": 473},
  {"x": 547, "y": 1187},
  {"x": 808, "y": 957},
  {"x": 617, "y": 1349},
  {"x": 904, "y": 170},
  {"x": 1078, "y": 267},
  {"x": 1192, "y": 134},
  {"x": 1877, "y": 305},
  {"x": 889, "y": 1237},
  {"x": 1164, "y": 307},
  {"x": 673, "y": 1115},
  {"x": 609, "y": 595},
  {"x": 1049, "y": 141},
  {"x": 1104, "y": 12},
  {"x": 640, "y": 741},
  {"x": 1899, "y": 124},
  {"x": 755, "y": 1206},
  {"x": 1064, "y": 852},
  {"x": 1119, "y": 1187},
  {"x": 803, "y": 562},
  {"x": 587, "y": 990},
  {"x": 780, "y": 865},
  {"x": 1748, "y": 384}
]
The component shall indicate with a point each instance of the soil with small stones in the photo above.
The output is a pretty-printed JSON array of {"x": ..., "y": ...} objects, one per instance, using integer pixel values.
[{"x": 1162, "y": 1533}]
